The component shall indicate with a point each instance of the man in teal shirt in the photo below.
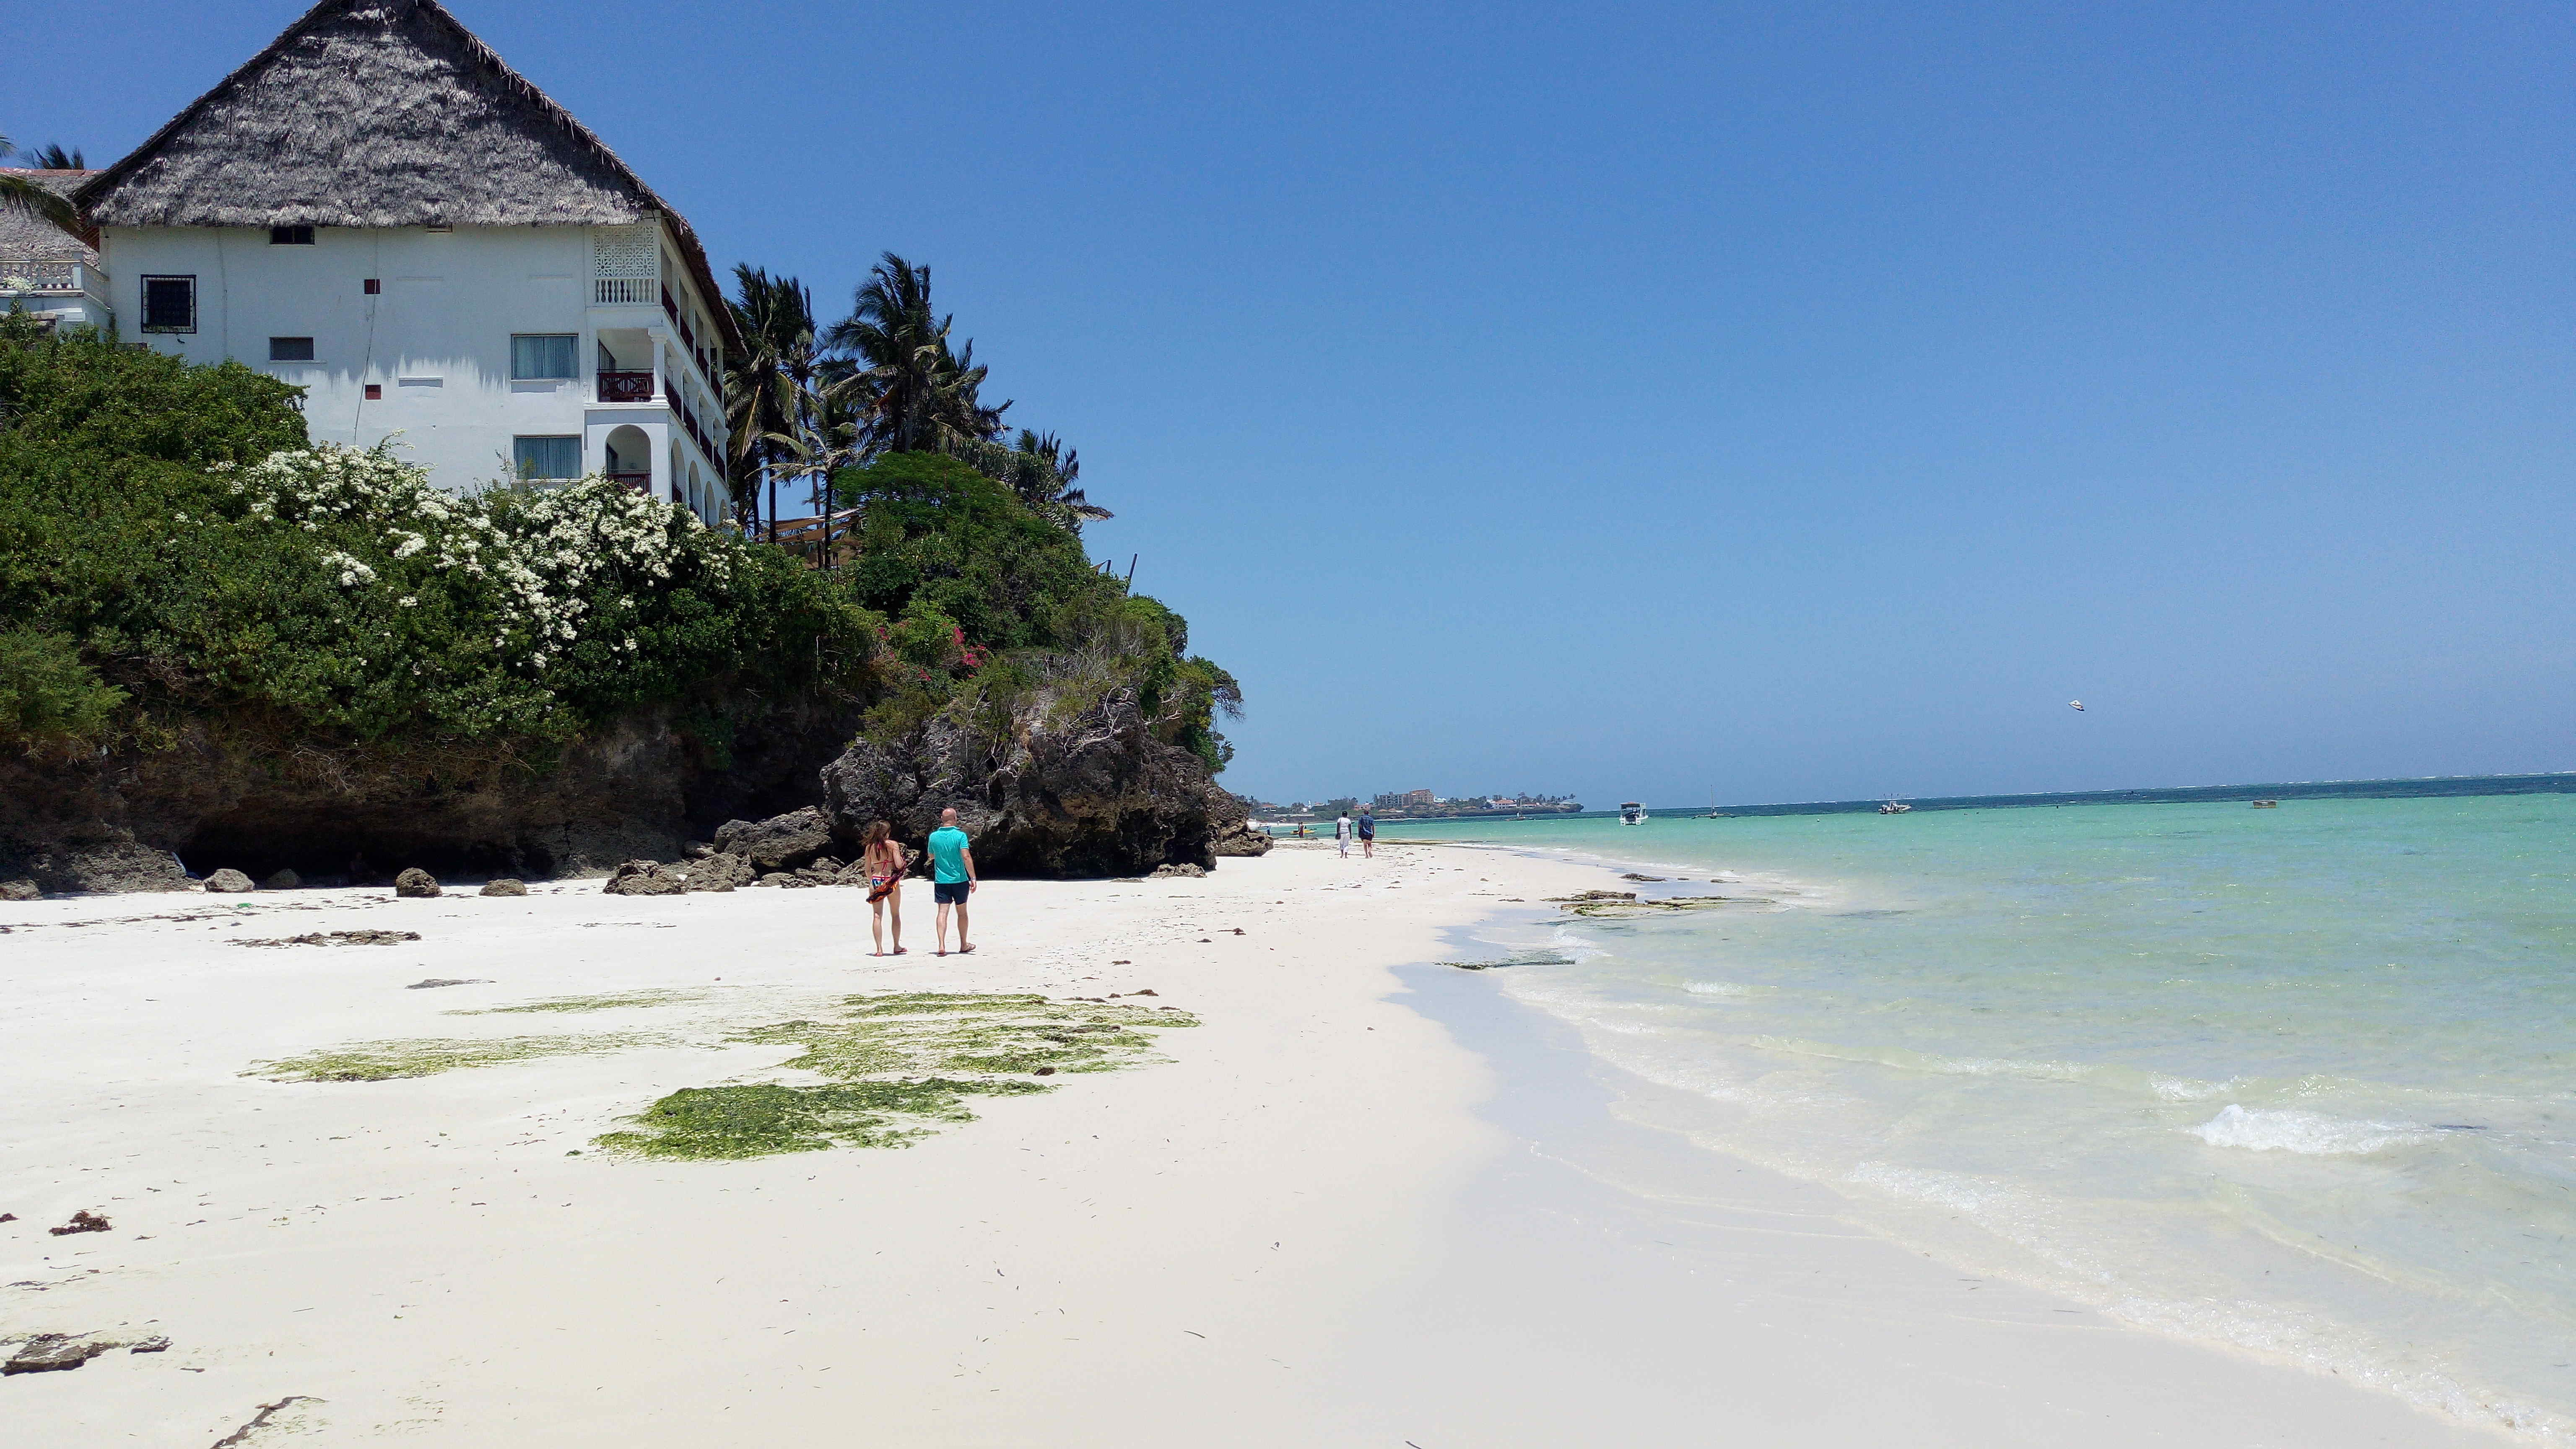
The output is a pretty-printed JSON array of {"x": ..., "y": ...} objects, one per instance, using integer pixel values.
[{"x": 952, "y": 879}]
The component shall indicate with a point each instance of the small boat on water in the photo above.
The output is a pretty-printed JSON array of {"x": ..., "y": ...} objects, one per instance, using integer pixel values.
[
  {"x": 2267, "y": 804},
  {"x": 1895, "y": 807},
  {"x": 1632, "y": 812}
]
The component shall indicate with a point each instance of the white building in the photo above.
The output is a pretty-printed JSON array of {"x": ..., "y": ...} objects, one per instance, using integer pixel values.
[
  {"x": 377, "y": 209},
  {"x": 47, "y": 272}
]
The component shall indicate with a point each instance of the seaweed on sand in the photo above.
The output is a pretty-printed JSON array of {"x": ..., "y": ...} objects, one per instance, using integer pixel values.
[
  {"x": 380, "y": 1061},
  {"x": 755, "y": 1119},
  {"x": 899, "y": 1066},
  {"x": 608, "y": 1001}
]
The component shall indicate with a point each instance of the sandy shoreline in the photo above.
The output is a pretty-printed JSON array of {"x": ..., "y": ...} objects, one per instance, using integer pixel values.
[{"x": 1345, "y": 1210}]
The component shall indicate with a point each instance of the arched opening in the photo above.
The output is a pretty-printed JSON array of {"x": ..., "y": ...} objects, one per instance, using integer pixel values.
[{"x": 630, "y": 458}]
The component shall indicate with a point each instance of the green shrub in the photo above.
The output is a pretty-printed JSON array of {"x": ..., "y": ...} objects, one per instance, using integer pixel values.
[
  {"x": 172, "y": 521},
  {"x": 47, "y": 693},
  {"x": 1003, "y": 615}
]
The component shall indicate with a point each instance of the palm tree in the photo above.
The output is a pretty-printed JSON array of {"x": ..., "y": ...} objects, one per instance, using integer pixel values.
[
  {"x": 1041, "y": 470},
  {"x": 52, "y": 157},
  {"x": 1065, "y": 465},
  {"x": 769, "y": 385},
  {"x": 19, "y": 194},
  {"x": 911, "y": 392}
]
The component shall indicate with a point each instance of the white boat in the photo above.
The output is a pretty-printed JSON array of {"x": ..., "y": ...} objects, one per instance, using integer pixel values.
[
  {"x": 1632, "y": 813},
  {"x": 1894, "y": 807}
]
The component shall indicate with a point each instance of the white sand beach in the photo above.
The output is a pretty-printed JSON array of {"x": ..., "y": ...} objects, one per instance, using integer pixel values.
[{"x": 1339, "y": 1213}]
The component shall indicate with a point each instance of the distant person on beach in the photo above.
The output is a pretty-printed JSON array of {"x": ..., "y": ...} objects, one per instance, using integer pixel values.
[
  {"x": 1368, "y": 834},
  {"x": 1342, "y": 833},
  {"x": 952, "y": 879},
  {"x": 884, "y": 861}
]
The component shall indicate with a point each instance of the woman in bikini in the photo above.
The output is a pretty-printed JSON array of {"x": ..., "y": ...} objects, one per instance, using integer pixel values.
[{"x": 885, "y": 863}]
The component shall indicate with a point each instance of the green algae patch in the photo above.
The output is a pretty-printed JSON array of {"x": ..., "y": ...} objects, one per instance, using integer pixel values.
[
  {"x": 1598, "y": 908},
  {"x": 382, "y": 1061},
  {"x": 1517, "y": 958},
  {"x": 756, "y": 1119},
  {"x": 900, "y": 1066},
  {"x": 610, "y": 1001}
]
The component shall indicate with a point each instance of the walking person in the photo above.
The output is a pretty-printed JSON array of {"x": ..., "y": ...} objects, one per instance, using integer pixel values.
[
  {"x": 884, "y": 861},
  {"x": 1368, "y": 834},
  {"x": 1342, "y": 835},
  {"x": 952, "y": 870}
]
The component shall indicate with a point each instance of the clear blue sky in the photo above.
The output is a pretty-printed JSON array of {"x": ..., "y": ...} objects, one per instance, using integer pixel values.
[{"x": 1675, "y": 401}]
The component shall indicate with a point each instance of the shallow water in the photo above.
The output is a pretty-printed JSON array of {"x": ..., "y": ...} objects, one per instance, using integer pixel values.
[{"x": 2297, "y": 1079}]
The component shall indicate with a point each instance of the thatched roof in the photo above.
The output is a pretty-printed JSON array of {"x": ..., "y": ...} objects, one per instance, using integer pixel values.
[
  {"x": 381, "y": 113},
  {"x": 24, "y": 234}
]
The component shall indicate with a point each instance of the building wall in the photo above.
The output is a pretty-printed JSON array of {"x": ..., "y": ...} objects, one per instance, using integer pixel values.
[
  {"x": 64, "y": 309},
  {"x": 434, "y": 340}
]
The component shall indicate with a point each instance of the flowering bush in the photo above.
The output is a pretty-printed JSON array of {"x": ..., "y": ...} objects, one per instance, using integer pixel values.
[{"x": 176, "y": 524}]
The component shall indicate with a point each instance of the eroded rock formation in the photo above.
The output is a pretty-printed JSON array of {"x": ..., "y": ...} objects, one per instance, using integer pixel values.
[{"x": 1094, "y": 794}]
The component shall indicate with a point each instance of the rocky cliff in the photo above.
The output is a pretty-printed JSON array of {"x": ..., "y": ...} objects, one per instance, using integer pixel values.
[
  {"x": 1091, "y": 794},
  {"x": 224, "y": 795}
]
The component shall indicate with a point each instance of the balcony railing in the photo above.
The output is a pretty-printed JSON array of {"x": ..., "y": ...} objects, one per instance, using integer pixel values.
[
  {"x": 25, "y": 274},
  {"x": 640, "y": 482},
  {"x": 621, "y": 291},
  {"x": 625, "y": 387}
]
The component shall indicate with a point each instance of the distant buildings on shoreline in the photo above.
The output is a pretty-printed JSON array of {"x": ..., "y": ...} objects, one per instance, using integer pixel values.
[{"x": 1417, "y": 805}]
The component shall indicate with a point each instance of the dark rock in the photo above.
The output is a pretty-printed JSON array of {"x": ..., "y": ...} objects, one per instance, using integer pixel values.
[
  {"x": 95, "y": 862},
  {"x": 283, "y": 878},
  {"x": 504, "y": 886},
  {"x": 720, "y": 871},
  {"x": 337, "y": 938},
  {"x": 20, "y": 890},
  {"x": 1167, "y": 872},
  {"x": 782, "y": 878},
  {"x": 1230, "y": 832},
  {"x": 830, "y": 872},
  {"x": 782, "y": 842},
  {"x": 8, "y": 1217},
  {"x": 435, "y": 982},
  {"x": 229, "y": 882},
  {"x": 416, "y": 883},
  {"x": 47, "y": 1352},
  {"x": 154, "y": 1344},
  {"x": 257, "y": 790},
  {"x": 1241, "y": 842},
  {"x": 696, "y": 850},
  {"x": 1091, "y": 793},
  {"x": 1649, "y": 879},
  {"x": 643, "y": 878},
  {"x": 83, "y": 1221}
]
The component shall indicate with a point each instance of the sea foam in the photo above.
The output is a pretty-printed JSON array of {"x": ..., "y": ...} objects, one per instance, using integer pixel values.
[{"x": 2268, "y": 1129}]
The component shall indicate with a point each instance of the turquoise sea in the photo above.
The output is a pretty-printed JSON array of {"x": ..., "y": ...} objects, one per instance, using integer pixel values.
[{"x": 2299, "y": 1079}]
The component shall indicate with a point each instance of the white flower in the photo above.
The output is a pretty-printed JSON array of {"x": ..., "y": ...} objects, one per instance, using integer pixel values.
[{"x": 408, "y": 602}]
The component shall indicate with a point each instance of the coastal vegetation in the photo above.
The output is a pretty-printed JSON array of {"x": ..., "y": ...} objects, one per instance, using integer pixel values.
[
  {"x": 185, "y": 576},
  {"x": 170, "y": 545}
]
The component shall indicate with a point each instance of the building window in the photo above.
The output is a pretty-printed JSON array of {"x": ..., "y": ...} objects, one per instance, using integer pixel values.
[
  {"x": 375, "y": 392},
  {"x": 540, "y": 356},
  {"x": 374, "y": 285},
  {"x": 169, "y": 304},
  {"x": 290, "y": 349},
  {"x": 547, "y": 457},
  {"x": 290, "y": 236}
]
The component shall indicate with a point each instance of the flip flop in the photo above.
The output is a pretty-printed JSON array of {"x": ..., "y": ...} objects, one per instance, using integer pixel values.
[{"x": 962, "y": 950}]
